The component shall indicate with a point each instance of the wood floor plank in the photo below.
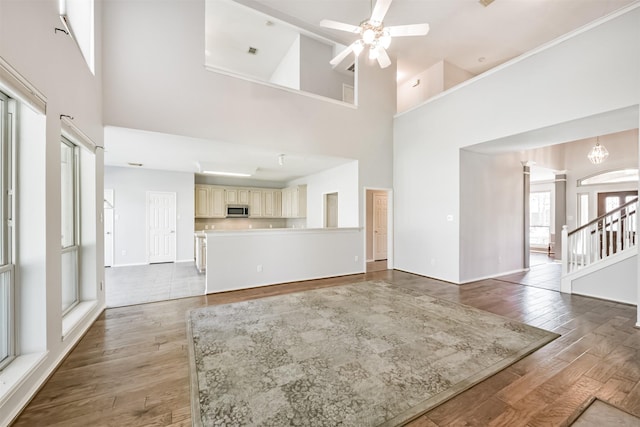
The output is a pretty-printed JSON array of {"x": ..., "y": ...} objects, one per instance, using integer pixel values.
[{"x": 131, "y": 368}]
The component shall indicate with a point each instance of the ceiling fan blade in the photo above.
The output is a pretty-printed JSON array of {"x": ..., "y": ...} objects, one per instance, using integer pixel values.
[
  {"x": 340, "y": 57},
  {"x": 383, "y": 57},
  {"x": 328, "y": 23},
  {"x": 408, "y": 30},
  {"x": 380, "y": 10}
]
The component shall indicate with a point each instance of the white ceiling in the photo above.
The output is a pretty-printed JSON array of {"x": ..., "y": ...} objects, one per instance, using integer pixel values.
[
  {"x": 462, "y": 32},
  {"x": 178, "y": 153}
]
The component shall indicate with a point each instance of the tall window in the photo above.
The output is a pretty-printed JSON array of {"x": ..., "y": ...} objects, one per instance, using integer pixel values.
[
  {"x": 540, "y": 219},
  {"x": 69, "y": 169},
  {"x": 78, "y": 17},
  {"x": 6, "y": 231}
]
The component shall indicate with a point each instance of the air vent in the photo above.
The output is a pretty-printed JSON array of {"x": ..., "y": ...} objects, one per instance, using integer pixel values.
[
  {"x": 134, "y": 164},
  {"x": 252, "y": 51},
  {"x": 352, "y": 67}
]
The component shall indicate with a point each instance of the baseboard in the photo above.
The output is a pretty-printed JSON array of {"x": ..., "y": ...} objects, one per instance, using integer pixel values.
[
  {"x": 134, "y": 264},
  {"x": 185, "y": 260},
  {"x": 15, "y": 412},
  {"x": 493, "y": 276}
]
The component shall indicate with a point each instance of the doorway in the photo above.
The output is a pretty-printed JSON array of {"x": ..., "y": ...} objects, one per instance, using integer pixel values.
[
  {"x": 377, "y": 230},
  {"x": 331, "y": 210},
  {"x": 161, "y": 227}
]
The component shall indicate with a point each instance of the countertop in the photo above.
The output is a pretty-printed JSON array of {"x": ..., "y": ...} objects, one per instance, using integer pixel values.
[{"x": 205, "y": 233}]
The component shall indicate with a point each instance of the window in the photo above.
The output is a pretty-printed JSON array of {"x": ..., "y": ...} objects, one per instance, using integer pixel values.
[
  {"x": 70, "y": 225},
  {"x": 539, "y": 218},
  {"x": 583, "y": 208},
  {"x": 7, "y": 338},
  {"x": 78, "y": 18}
]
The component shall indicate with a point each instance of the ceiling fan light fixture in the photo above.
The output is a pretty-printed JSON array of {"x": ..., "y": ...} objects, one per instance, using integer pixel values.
[
  {"x": 357, "y": 47},
  {"x": 368, "y": 36},
  {"x": 373, "y": 52}
]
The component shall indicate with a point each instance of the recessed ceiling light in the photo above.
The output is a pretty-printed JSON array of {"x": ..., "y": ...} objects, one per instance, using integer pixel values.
[
  {"x": 134, "y": 164},
  {"x": 226, "y": 173}
]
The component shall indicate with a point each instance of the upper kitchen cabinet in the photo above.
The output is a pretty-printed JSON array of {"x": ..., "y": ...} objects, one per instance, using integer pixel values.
[
  {"x": 255, "y": 204},
  {"x": 272, "y": 203},
  {"x": 294, "y": 202},
  {"x": 209, "y": 201},
  {"x": 202, "y": 201},
  {"x": 236, "y": 196}
]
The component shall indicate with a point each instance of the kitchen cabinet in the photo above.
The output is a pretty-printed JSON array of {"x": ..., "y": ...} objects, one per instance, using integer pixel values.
[
  {"x": 217, "y": 203},
  {"x": 202, "y": 201},
  {"x": 201, "y": 252},
  {"x": 271, "y": 203},
  {"x": 291, "y": 202},
  {"x": 294, "y": 202},
  {"x": 236, "y": 196},
  {"x": 209, "y": 201},
  {"x": 255, "y": 204}
]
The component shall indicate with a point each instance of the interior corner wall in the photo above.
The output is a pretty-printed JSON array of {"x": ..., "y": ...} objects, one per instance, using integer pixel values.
[
  {"x": 52, "y": 63},
  {"x": 316, "y": 73},
  {"x": 592, "y": 72},
  {"x": 130, "y": 194},
  {"x": 287, "y": 73},
  {"x": 623, "y": 153},
  {"x": 421, "y": 87},
  {"x": 343, "y": 180},
  {"x": 224, "y": 108},
  {"x": 491, "y": 227}
]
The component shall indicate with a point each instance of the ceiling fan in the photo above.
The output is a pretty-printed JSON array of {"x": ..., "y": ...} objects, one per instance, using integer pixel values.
[{"x": 374, "y": 34}]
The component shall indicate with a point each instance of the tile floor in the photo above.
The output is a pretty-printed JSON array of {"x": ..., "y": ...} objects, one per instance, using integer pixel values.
[{"x": 149, "y": 283}]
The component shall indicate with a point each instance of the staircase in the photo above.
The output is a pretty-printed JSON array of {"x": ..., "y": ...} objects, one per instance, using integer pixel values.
[{"x": 599, "y": 258}]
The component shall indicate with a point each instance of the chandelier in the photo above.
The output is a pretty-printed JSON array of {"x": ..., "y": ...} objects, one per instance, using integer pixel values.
[{"x": 598, "y": 153}]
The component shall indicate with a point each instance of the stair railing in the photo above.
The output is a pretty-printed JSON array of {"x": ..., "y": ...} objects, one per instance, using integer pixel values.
[{"x": 599, "y": 239}]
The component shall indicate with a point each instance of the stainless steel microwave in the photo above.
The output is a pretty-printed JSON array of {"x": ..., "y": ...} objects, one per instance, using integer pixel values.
[{"x": 237, "y": 211}]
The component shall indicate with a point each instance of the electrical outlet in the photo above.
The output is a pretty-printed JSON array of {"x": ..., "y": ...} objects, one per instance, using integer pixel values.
[
  {"x": 259, "y": 268},
  {"x": 356, "y": 258},
  {"x": 124, "y": 253}
]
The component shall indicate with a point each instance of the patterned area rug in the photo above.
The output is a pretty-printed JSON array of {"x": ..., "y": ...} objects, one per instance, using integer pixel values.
[{"x": 365, "y": 354}]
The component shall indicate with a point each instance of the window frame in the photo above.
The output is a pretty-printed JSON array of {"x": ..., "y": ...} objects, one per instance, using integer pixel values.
[
  {"x": 75, "y": 246},
  {"x": 7, "y": 179}
]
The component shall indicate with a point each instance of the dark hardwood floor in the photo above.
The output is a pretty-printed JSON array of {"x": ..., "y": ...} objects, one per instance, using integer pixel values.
[{"x": 131, "y": 367}]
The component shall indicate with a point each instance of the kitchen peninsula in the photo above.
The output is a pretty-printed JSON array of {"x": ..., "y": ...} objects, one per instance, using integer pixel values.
[{"x": 239, "y": 259}]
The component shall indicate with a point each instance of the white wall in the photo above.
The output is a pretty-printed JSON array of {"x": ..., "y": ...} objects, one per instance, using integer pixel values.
[
  {"x": 316, "y": 73},
  {"x": 288, "y": 71},
  {"x": 623, "y": 153},
  {"x": 54, "y": 65},
  {"x": 238, "y": 260},
  {"x": 342, "y": 180},
  {"x": 592, "y": 73},
  {"x": 620, "y": 278},
  {"x": 144, "y": 90},
  {"x": 491, "y": 228},
  {"x": 432, "y": 81},
  {"x": 130, "y": 187}
]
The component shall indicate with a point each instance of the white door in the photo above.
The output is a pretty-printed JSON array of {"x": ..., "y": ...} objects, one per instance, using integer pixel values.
[
  {"x": 379, "y": 226},
  {"x": 161, "y": 226},
  {"x": 108, "y": 227},
  {"x": 331, "y": 210},
  {"x": 108, "y": 237}
]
